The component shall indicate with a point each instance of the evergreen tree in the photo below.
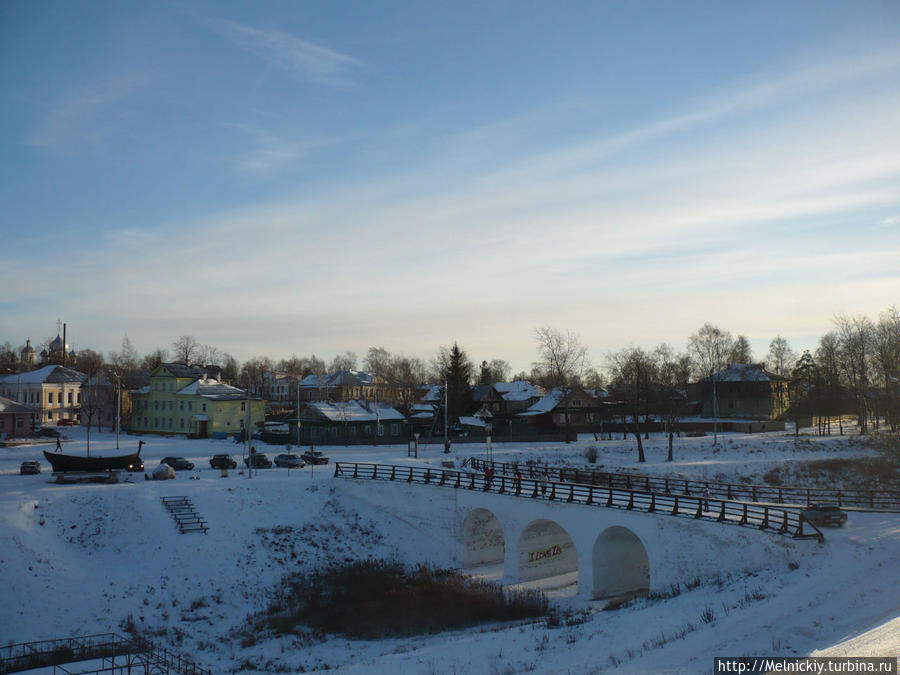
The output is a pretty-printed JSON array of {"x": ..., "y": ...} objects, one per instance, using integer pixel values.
[{"x": 459, "y": 379}]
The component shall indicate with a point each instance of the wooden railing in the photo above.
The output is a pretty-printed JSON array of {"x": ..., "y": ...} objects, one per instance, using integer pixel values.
[
  {"x": 872, "y": 500},
  {"x": 782, "y": 521},
  {"x": 45, "y": 653}
]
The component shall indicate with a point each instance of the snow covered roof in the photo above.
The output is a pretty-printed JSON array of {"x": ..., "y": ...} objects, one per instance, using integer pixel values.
[
  {"x": 143, "y": 390},
  {"x": 545, "y": 405},
  {"x": 434, "y": 393},
  {"x": 313, "y": 381},
  {"x": 213, "y": 389},
  {"x": 354, "y": 411},
  {"x": 520, "y": 390},
  {"x": 9, "y": 406},
  {"x": 471, "y": 421},
  {"x": 48, "y": 374}
]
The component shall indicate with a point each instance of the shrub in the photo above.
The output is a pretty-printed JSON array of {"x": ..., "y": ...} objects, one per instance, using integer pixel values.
[
  {"x": 377, "y": 598},
  {"x": 591, "y": 454}
]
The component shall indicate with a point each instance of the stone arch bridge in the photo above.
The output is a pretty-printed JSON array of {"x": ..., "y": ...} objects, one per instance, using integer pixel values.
[{"x": 615, "y": 543}]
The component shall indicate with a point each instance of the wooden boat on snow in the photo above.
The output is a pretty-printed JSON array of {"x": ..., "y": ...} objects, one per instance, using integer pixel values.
[{"x": 63, "y": 463}]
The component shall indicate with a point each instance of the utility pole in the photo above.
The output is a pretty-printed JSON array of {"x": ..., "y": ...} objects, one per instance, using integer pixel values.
[{"x": 118, "y": 407}]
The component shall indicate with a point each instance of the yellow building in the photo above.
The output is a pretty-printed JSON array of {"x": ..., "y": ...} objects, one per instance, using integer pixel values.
[{"x": 181, "y": 399}]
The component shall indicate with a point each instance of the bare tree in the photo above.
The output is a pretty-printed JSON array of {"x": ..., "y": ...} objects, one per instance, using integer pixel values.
[
  {"x": 186, "y": 349},
  {"x": 562, "y": 363},
  {"x": 781, "y": 358},
  {"x": 377, "y": 360},
  {"x": 635, "y": 374},
  {"x": 154, "y": 359},
  {"x": 856, "y": 337},
  {"x": 887, "y": 363},
  {"x": 741, "y": 351},
  {"x": 345, "y": 361},
  {"x": 711, "y": 346}
]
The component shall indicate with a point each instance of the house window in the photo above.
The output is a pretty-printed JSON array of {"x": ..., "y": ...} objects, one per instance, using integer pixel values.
[
  {"x": 577, "y": 402},
  {"x": 50, "y": 415},
  {"x": 190, "y": 405},
  {"x": 243, "y": 406},
  {"x": 204, "y": 407},
  {"x": 381, "y": 430},
  {"x": 242, "y": 423},
  {"x": 181, "y": 405},
  {"x": 69, "y": 398},
  {"x": 368, "y": 429},
  {"x": 156, "y": 405},
  {"x": 395, "y": 429},
  {"x": 171, "y": 405},
  {"x": 171, "y": 422},
  {"x": 333, "y": 431},
  {"x": 78, "y": 397},
  {"x": 182, "y": 423}
]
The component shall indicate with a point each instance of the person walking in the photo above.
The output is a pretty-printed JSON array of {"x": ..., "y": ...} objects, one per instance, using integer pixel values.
[
  {"x": 518, "y": 481},
  {"x": 544, "y": 478}
]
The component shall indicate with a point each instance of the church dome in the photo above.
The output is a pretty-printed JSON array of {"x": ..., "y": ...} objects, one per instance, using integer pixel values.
[{"x": 57, "y": 344}]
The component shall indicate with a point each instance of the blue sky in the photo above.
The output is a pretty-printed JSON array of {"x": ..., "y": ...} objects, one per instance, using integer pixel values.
[{"x": 292, "y": 178}]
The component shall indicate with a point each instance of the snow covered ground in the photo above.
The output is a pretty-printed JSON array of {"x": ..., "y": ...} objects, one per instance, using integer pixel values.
[{"x": 87, "y": 558}]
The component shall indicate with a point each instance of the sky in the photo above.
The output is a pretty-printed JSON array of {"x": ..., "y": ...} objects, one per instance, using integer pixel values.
[{"x": 281, "y": 178}]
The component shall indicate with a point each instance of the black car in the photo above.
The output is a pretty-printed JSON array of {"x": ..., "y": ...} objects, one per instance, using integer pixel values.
[
  {"x": 260, "y": 461},
  {"x": 824, "y": 514},
  {"x": 222, "y": 462},
  {"x": 290, "y": 461},
  {"x": 30, "y": 466},
  {"x": 177, "y": 463},
  {"x": 314, "y": 457}
]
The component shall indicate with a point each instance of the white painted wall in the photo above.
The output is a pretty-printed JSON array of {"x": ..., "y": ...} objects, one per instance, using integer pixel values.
[{"x": 678, "y": 548}]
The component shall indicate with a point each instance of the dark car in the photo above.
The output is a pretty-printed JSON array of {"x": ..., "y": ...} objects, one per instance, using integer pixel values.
[
  {"x": 46, "y": 432},
  {"x": 177, "y": 463},
  {"x": 30, "y": 466},
  {"x": 222, "y": 462},
  {"x": 314, "y": 457},
  {"x": 260, "y": 461},
  {"x": 824, "y": 514},
  {"x": 290, "y": 461}
]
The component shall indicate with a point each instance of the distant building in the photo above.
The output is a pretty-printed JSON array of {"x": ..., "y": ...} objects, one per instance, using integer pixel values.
[
  {"x": 15, "y": 418},
  {"x": 743, "y": 390},
  {"x": 345, "y": 385},
  {"x": 183, "y": 399},
  {"x": 52, "y": 392},
  {"x": 324, "y": 422}
]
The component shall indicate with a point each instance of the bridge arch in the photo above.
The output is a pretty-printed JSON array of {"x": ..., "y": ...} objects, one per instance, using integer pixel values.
[
  {"x": 545, "y": 550},
  {"x": 621, "y": 566},
  {"x": 482, "y": 538}
]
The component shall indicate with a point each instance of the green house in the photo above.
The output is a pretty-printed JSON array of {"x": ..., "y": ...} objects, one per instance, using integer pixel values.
[{"x": 181, "y": 399}]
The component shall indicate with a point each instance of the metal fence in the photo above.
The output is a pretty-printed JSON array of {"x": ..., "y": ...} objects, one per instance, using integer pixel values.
[
  {"x": 116, "y": 654},
  {"x": 873, "y": 500},
  {"x": 783, "y": 521}
]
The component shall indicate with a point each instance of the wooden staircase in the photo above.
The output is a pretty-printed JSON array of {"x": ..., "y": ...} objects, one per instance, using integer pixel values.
[{"x": 186, "y": 517}]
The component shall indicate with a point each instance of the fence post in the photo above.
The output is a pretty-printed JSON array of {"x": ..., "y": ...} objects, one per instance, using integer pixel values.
[
  {"x": 630, "y": 506},
  {"x": 753, "y": 493},
  {"x": 427, "y": 475},
  {"x": 687, "y": 489},
  {"x": 765, "y": 523},
  {"x": 721, "y": 517},
  {"x": 443, "y": 478},
  {"x": 609, "y": 501},
  {"x": 699, "y": 512},
  {"x": 458, "y": 475},
  {"x": 409, "y": 480},
  {"x": 393, "y": 472},
  {"x": 355, "y": 470},
  {"x": 652, "y": 503},
  {"x": 502, "y": 484},
  {"x": 784, "y": 524},
  {"x": 667, "y": 487},
  {"x": 534, "y": 494},
  {"x": 675, "y": 506},
  {"x": 472, "y": 483},
  {"x": 337, "y": 469},
  {"x": 743, "y": 520},
  {"x": 552, "y": 491},
  {"x": 590, "y": 497},
  {"x": 808, "y": 502},
  {"x": 374, "y": 471},
  {"x": 730, "y": 495}
]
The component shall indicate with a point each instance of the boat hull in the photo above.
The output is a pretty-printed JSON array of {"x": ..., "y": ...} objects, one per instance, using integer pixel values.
[{"x": 61, "y": 462}]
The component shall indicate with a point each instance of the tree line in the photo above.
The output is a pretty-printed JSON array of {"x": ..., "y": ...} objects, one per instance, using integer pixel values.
[{"x": 855, "y": 368}]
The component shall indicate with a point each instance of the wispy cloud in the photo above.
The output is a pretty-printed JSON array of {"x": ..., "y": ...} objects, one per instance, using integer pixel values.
[
  {"x": 891, "y": 221},
  {"x": 82, "y": 115},
  {"x": 300, "y": 58},
  {"x": 268, "y": 151}
]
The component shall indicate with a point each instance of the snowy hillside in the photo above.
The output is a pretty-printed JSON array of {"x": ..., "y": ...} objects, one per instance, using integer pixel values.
[{"x": 86, "y": 558}]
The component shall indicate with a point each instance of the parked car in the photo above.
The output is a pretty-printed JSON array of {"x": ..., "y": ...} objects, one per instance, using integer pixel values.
[
  {"x": 260, "y": 461},
  {"x": 30, "y": 466},
  {"x": 46, "y": 432},
  {"x": 825, "y": 514},
  {"x": 177, "y": 463},
  {"x": 314, "y": 457},
  {"x": 290, "y": 461},
  {"x": 65, "y": 423},
  {"x": 222, "y": 461}
]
